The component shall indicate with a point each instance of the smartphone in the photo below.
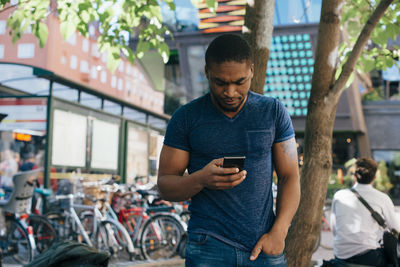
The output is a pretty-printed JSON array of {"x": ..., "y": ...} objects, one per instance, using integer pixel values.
[{"x": 232, "y": 162}]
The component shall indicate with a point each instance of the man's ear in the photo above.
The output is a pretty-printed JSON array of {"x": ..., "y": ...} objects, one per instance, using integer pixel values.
[{"x": 206, "y": 71}]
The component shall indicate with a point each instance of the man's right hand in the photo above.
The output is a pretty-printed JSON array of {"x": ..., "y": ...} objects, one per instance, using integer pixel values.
[{"x": 213, "y": 176}]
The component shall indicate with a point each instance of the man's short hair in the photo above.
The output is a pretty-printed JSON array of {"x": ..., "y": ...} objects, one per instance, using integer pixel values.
[
  {"x": 228, "y": 47},
  {"x": 365, "y": 170}
]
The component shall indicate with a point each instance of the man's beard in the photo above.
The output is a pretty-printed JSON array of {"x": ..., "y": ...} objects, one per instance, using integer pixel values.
[{"x": 225, "y": 108}]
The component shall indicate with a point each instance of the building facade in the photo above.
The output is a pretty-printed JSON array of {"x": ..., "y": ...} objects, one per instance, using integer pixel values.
[
  {"x": 64, "y": 110},
  {"x": 288, "y": 76}
]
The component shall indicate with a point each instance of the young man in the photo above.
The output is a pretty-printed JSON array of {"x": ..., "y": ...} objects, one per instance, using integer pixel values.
[
  {"x": 356, "y": 233},
  {"x": 232, "y": 221}
]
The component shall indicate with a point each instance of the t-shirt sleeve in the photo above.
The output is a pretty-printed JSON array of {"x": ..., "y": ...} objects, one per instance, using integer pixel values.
[
  {"x": 177, "y": 135},
  {"x": 283, "y": 124}
]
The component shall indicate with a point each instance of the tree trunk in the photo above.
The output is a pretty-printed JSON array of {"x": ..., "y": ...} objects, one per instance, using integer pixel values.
[
  {"x": 258, "y": 32},
  {"x": 317, "y": 141},
  {"x": 325, "y": 94}
]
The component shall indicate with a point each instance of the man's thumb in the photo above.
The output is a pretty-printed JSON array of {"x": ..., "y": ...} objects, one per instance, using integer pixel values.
[{"x": 256, "y": 251}]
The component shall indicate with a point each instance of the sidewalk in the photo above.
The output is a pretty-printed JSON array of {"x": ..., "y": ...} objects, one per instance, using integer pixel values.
[{"x": 167, "y": 263}]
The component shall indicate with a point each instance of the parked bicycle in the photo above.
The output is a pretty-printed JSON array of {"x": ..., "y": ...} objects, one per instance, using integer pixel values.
[
  {"x": 66, "y": 221},
  {"x": 17, "y": 242},
  {"x": 157, "y": 235},
  {"x": 43, "y": 231}
]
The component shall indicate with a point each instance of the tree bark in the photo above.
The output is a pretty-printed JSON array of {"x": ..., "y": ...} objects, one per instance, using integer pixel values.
[
  {"x": 325, "y": 94},
  {"x": 258, "y": 32},
  {"x": 317, "y": 140}
]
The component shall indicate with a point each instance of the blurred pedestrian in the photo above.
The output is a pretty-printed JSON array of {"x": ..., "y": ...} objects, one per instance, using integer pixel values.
[
  {"x": 29, "y": 162},
  {"x": 8, "y": 167},
  {"x": 356, "y": 233}
]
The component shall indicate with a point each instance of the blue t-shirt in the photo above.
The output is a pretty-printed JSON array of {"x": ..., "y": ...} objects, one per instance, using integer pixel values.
[{"x": 241, "y": 215}]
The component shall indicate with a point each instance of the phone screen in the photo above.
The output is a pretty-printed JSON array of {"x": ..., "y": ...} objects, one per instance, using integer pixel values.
[{"x": 232, "y": 162}]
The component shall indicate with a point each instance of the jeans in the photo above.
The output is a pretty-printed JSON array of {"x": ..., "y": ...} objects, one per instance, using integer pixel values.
[
  {"x": 205, "y": 251},
  {"x": 370, "y": 258}
]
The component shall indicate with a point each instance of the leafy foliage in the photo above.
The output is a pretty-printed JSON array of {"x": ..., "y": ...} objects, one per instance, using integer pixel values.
[
  {"x": 382, "y": 182},
  {"x": 116, "y": 22},
  {"x": 377, "y": 54},
  {"x": 374, "y": 95}
]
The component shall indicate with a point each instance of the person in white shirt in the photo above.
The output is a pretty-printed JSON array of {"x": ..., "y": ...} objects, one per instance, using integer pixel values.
[
  {"x": 356, "y": 233},
  {"x": 8, "y": 167}
]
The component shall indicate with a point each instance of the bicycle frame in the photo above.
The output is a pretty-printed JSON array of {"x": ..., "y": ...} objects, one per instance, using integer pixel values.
[{"x": 72, "y": 214}]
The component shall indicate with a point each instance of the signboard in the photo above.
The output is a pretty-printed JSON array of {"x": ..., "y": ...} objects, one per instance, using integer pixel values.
[
  {"x": 69, "y": 139},
  {"x": 23, "y": 113},
  {"x": 137, "y": 153},
  {"x": 229, "y": 16},
  {"x": 105, "y": 143}
]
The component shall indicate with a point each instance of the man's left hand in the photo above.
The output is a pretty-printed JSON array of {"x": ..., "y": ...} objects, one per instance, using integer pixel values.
[{"x": 272, "y": 243}]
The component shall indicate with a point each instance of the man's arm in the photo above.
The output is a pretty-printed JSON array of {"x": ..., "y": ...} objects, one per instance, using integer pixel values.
[
  {"x": 286, "y": 167},
  {"x": 174, "y": 186}
]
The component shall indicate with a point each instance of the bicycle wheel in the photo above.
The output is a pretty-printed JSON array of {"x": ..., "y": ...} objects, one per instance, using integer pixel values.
[
  {"x": 43, "y": 232},
  {"x": 160, "y": 237},
  {"x": 15, "y": 245},
  {"x": 87, "y": 220},
  {"x": 111, "y": 236}
]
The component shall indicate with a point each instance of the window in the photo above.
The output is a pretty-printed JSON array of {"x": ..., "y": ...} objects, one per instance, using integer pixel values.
[
  {"x": 85, "y": 45},
  {"x": 104, "y": 57},
  {"x": 72, "y": 39},
  {"x": 134, "y": 114},
  {"x": 90, "y": 100},
  {"x": 73, "y": 64},
  {"x": 113, "y": 81},
  {"x": 92, "y": 30},
  {"x": 26, "y": 50},
  {"x": 93, "y": 72},
  {"x": 84, "y": 67},
  {"x": 2, "y": 26},
  {"x": 63, "y": 60},
  {"x": 103, "y": 76},
  {"x": 112, "y": 107},
  {"x": 120, "y": 85},
  {"x": 65, "y": 92},
  {"x": 121, "y": 66},
  {"x": 95, "y": 51},
  {"x": 1, "y": 51}
]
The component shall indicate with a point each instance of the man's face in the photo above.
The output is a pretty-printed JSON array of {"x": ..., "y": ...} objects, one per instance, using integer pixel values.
[{"x": 229, "y": 85}]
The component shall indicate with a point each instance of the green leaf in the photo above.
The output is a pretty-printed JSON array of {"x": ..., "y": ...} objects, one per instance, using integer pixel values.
[
  {"x": 163, "y": 50},
  {"x": 85, "y": 16},
  {"x": 353, "y": 27},
  {"x": 42, "y": 33},
  {"x": 389, "y": 62},
  {"x": 112, "y": 62},
  {"x": 142, "y": 48},
  {"x": 212, "y": 5},
  {"x": 67, "y": 28},
  {"x": 170, "y": 4},
  {"x": 369, "y": 64},
  {"x": 350, "y": 80}
]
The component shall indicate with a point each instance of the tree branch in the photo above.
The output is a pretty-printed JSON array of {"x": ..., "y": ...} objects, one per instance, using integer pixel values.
[
  {"x": 7, "y": 8},
  {"x": 359, "y": 46}
]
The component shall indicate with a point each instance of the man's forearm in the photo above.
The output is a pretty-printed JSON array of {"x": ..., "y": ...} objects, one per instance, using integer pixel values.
[
  {"x": 287, "y": 203},
  {"x": 179, "y": 188}
]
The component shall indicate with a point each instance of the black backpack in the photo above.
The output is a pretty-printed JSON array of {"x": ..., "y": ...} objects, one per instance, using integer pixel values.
[{"x": 70, "y": 253}]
